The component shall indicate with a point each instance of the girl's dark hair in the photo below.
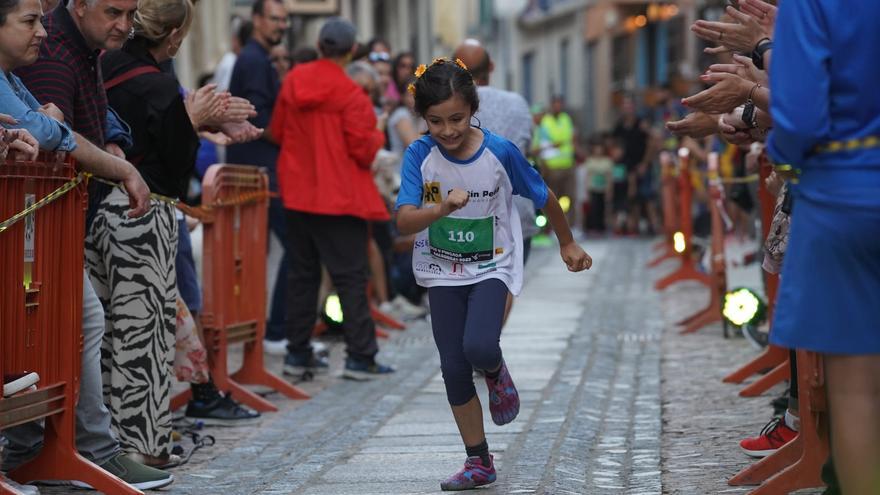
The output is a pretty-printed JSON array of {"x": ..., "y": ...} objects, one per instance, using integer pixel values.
[
  {"x": 440, "y": 82},
  {"x": 7, "y": 6}
]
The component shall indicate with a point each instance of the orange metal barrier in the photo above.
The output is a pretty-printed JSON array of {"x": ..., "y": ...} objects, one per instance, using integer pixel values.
[
  {"x": 688, "y": 269},
  {"x": 670, "y": 217},
  {"x": 774, "y": 359},
  {"x": 798, "y": 464},
  {"x": 234, "y": 276},
  {"x": 41, "y": 269},
  {"x": 712, "y": 313}
]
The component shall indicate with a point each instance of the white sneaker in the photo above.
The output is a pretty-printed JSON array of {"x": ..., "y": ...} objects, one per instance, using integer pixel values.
[
  {"x": 275, "y": 347},
  {"x": 15, "y": 383},
  {"x": 386, "y": 307},
  {"x": 408, "y": 309},
  {"x": 22, "y": 489}
]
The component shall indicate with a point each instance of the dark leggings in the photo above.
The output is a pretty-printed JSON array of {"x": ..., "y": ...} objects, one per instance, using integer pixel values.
[{"x": 467, "y": 327}]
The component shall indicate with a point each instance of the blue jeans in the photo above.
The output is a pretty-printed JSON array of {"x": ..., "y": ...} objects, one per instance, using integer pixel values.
[{"x": 276, "y": 328}]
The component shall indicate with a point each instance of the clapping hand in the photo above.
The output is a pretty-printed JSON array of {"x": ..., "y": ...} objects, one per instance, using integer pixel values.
[
  {"x": 695, "y": 125},
  {"x": 740, "y": 36},
  {"x": 728, "y": 92}
]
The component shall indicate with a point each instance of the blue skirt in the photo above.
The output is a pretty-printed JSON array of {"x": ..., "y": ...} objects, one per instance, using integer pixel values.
[{"x": 829, "y": 295}]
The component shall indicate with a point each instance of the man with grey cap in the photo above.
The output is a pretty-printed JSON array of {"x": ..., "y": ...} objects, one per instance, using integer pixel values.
[{"x": 329, "y": 136}]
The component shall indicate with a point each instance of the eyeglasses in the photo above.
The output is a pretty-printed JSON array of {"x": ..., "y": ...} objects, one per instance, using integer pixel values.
[{"x": 379, "y": 57}]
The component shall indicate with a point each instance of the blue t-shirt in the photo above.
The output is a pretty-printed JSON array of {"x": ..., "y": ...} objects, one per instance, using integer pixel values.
[{"x": 483, "y": 239}]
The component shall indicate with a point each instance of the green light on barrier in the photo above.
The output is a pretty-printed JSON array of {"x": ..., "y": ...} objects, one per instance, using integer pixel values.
[
  {"x": 742, "y": 306},
  {"x": 541, "y": 221},
  {"x": 333, "y": 309},
  {"x": 565, "y": 203},
  {"x": 678, "y": 242}
]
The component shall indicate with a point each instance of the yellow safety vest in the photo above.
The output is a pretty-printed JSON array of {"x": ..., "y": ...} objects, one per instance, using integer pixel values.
[{"x": 560, "y": 130}]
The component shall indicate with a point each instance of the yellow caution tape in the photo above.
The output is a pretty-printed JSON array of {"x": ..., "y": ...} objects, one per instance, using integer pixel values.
[
  {"x": 49, "y": 198},
  {"x": 204, "y": 213}
]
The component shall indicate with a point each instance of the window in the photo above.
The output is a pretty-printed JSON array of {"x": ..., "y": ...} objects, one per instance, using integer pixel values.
[
  {"x": 563, "y": 67},
  {"x": 527, "y": 67}
]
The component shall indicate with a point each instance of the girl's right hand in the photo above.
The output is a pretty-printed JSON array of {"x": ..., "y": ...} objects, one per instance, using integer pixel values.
[{"x": 455, "y": 200}]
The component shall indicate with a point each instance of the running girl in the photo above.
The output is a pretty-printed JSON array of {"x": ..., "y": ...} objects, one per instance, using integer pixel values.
[{"x": 457, "y": 191}]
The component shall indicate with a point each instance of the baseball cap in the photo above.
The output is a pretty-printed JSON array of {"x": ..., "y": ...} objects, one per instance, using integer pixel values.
[{"x": 337, "y": 34}]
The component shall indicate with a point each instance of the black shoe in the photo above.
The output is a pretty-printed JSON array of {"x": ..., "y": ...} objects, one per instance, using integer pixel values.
[
  {"x": 297, "y": 365},
  {"x": 356, "y": 369},
  {"x": 220, "y": 411}
]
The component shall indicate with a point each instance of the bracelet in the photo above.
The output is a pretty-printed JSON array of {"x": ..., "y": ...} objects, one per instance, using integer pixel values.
[{"x": 752, "y": 92}]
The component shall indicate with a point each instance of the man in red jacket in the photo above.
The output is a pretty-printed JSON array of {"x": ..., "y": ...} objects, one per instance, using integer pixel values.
[{"x": 329, "y": 137}]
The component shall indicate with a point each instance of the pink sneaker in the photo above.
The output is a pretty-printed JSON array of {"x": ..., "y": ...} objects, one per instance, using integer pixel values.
[
  {"x": 503, "y": 397},
  {"x": 472, "y": 475}
]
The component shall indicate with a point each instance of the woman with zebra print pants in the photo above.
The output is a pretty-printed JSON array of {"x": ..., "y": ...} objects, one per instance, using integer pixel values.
[{"x": 132, "y": 261}]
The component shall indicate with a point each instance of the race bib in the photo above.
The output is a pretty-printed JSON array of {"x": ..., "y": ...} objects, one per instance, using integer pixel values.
[{"x": 463, "y": 240}]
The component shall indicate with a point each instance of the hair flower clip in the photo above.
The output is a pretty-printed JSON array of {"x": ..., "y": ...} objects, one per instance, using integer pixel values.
[
  {"x": 459, "y": 63},
  {"x": 420, "y": 70},
  {"x": 411, "y": 88}
]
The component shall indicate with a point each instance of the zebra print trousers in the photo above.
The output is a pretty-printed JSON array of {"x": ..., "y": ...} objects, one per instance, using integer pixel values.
[{"x": 131, "y": 264}]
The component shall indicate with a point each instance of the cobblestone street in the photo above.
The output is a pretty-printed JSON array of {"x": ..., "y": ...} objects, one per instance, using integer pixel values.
[{"x": 613, "y": 401}]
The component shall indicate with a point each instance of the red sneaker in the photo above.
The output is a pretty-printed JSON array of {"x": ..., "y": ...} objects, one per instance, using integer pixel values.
[{"x": 772, "y": 438}]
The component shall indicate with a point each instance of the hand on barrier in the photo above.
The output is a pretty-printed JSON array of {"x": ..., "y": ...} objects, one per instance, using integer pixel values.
[
  {"x": 575, "y": 257},
  {"x": 138, "y": 193},
  {"x": 19, "y": 140}
]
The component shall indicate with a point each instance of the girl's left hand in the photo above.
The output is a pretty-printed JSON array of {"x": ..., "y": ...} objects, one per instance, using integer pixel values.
[{"x": 575, "y": 257}]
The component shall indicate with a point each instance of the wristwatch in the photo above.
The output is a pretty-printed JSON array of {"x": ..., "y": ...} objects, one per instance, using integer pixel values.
[
  {"x": 758, "y": 53},
  {"x": 749, "y": 115}
]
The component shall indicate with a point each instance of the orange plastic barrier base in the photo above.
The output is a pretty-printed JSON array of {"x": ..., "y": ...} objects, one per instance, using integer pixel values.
[
  {"x": 766, "y": 382},
  {"x": 385, "y": 320},
  {"x": 772, "y": 357},
  {"x": 668, "y": 254},
  {"x": 687, "y": 271},
  {"x": 798, "y": 464},
  {"x": 709, "y": 315}
]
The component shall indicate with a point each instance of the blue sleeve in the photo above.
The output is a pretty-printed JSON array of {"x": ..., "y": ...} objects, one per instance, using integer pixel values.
[
  {"x": 117, "y": 130},
  {"x": 800, "y": 81},
  {"x": 527, "y": 182},
  {"x": 21, "y": 105},
  {"x": 411, "y": 182}
]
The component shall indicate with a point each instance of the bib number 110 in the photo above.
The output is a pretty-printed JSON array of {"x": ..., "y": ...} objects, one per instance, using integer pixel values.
[{"x": 459, "y": 236}]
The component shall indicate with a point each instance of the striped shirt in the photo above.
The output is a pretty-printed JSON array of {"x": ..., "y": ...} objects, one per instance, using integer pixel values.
[{"x": 68, "y": 74}]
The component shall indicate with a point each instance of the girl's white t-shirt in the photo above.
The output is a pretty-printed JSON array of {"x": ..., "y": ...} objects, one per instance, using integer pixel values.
[{"x": 484, "y": 239}]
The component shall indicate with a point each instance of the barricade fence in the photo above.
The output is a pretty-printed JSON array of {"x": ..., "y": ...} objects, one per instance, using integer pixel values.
[{"x": 42, "y": 205}]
